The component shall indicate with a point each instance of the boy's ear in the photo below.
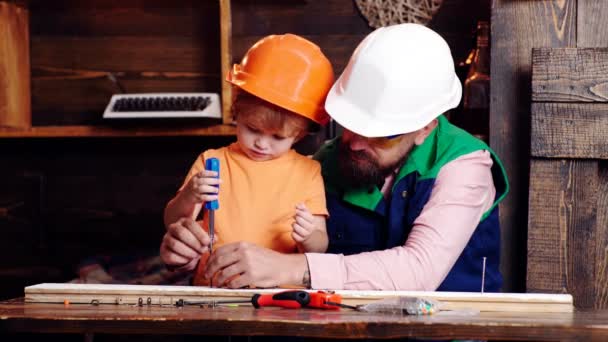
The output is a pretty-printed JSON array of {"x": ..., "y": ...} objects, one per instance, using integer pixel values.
[{"x": 300, "y": 135}]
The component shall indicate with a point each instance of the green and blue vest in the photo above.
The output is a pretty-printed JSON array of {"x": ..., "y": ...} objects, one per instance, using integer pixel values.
[{"x": 362, "y": 220}]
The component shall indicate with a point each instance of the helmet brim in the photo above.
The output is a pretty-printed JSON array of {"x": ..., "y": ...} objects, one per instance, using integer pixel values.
[{"x": 361, "y": 122}]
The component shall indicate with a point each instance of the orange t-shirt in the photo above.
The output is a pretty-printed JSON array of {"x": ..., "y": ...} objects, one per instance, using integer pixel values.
[{"x": 257, "y": 200}]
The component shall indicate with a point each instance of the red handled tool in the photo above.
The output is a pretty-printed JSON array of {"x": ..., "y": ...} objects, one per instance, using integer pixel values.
[{"x": 293, "y": 299}]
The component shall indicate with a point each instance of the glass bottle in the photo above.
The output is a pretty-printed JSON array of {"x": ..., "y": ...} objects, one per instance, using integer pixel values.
[{"x": 475, "y": 115}]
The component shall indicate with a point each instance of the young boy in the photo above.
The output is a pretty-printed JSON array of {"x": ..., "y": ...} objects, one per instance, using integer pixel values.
[{"x": 269, "y": 194}]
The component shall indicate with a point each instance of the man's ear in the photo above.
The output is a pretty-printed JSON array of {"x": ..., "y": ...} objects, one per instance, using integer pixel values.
[{"x": 424, "y": 132}]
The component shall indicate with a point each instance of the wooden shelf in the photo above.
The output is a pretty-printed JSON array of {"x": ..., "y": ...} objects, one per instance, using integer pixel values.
[
  {"x": 113, "y": 131},
  {"x": 15, "y": 87}
]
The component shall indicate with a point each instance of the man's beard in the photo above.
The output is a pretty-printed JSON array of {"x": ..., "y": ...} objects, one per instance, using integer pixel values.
[{"x": 360, "y": 169}]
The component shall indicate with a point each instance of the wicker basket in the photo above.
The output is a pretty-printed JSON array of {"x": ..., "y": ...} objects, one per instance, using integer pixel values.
[{"x": 389, "y": 12}]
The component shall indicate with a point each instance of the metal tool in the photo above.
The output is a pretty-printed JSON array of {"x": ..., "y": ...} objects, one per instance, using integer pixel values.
[{"x": 212, "y": 164}]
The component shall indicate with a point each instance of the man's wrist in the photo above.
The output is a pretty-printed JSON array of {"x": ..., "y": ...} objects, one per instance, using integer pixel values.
[
  {"x": 296, "y": 270},
  {"x": 306, "y": 278}
]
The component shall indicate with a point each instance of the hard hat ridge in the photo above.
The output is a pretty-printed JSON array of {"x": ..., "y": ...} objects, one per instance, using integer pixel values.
[{"x": 398, "y": 80}]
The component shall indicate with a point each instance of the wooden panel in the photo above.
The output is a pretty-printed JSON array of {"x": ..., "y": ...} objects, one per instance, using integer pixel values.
[
  {"x": 298, "y": 17},
  {"x": 570, "y": 75},
  {"x": 569, "y": 130},
  {"x": 455, "y": 20},
  {"x": 592, "y": 23},
  {"x": 562, "y": 228},
  {"x": 94, "y": 18},
  {"x": 15, "y": 108},
  {"x": 601, "y": 236},
  {"x": 75, "y": 45},
  {"x": 517, "y": 27},
  {"x": 226, "y": 58},
  {"x": 124, "y": 54}
]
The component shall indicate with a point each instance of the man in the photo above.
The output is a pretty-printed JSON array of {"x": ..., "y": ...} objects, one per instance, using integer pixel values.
[{"x": 412, "y": 199}]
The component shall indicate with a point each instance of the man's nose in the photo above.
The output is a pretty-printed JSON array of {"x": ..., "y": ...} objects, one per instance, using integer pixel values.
[{"x": 355, "y": 142}]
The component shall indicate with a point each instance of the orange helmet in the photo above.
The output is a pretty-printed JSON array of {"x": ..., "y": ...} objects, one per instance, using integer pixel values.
[{"x": 288, "y": 71}]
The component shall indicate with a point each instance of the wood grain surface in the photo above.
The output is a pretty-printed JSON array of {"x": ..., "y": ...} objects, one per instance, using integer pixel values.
[
  {"x": 15, "y": 109},
  {"x": 16, "y": 316}
]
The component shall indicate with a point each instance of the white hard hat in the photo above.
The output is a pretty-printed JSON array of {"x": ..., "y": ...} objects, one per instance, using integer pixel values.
[{"x": 397, "y": 81}]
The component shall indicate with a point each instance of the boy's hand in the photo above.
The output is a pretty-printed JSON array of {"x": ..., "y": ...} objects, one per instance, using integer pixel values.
[
  {"x": 203, "y": 187},
  {"x": 304, "y": 224}
]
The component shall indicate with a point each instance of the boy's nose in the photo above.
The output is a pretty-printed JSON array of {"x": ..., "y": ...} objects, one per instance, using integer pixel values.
[{"x": 261, "y": 142}]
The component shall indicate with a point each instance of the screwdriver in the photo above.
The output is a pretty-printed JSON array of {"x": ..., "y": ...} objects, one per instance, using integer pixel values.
[
  {"x": 212, "y": 164},
  {"x": 285, "y": 299}
]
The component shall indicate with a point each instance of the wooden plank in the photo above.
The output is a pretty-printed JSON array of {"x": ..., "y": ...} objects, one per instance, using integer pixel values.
[
  {"x": 569, "y": 130},
  {"x": 298, "y": 17},
  {"x": 517, "y": 27},
  {"x": 168, "y": 295},
  {"x": 112, "y": 131},
  {"x": 592, "y": 23},
  {"x": 547, "y": 232},
  {"x": 580, "y": 196},
  {"x": 95, "y": 18},
  {"x": 226, "y": 58},
  {"x": 15, "y": 108},
  {"x": 126, "y": 54},
  {"x": 601, "y": 236},
  {"x": 570, "y": 75},
  {"x": 562, "y": 228}
]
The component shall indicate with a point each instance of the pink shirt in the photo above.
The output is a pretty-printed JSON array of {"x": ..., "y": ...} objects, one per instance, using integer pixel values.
[{"x": 463, "y": 191}]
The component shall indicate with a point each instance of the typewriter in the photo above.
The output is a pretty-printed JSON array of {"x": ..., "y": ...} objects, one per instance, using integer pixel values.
[{"x": 163, "y": 106}]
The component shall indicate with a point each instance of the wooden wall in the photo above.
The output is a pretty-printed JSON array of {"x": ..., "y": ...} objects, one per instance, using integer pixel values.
[
  {"x": 66, "y": 199},
  {"x": 517, "y": 27},
  {"x": 568, "y": 212}
]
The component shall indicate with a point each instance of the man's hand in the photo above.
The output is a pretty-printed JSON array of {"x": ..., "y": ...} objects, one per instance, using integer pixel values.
[
  {"x": 242, "y": 264},
  {"x": 202, "y": 187},
  {"x": 183, "y": 243}
]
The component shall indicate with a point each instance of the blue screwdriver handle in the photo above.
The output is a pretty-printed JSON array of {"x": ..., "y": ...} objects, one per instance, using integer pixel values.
[{"x": 212, "y": 164}]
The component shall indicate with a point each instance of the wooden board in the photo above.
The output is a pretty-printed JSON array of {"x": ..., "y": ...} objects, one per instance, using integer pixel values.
[
  {"x": 168, "y": 295},
  {"x": 15, "y": 109},
  {"x": 570, "y": 75},
  {"x": 568, "y": 219},
  {"x": 569, "y": 130},
  {"x": 517, "y": 27}
]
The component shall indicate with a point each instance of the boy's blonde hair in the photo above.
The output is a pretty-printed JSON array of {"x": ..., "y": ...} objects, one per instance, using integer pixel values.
[{"x": 271, "y": 117}]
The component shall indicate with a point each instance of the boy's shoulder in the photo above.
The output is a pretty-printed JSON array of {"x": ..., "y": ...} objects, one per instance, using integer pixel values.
[{"x": 306, "y": 160}]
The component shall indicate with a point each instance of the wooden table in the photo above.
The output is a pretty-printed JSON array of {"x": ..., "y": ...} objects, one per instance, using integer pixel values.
[{"x": 17, "y": 316}]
